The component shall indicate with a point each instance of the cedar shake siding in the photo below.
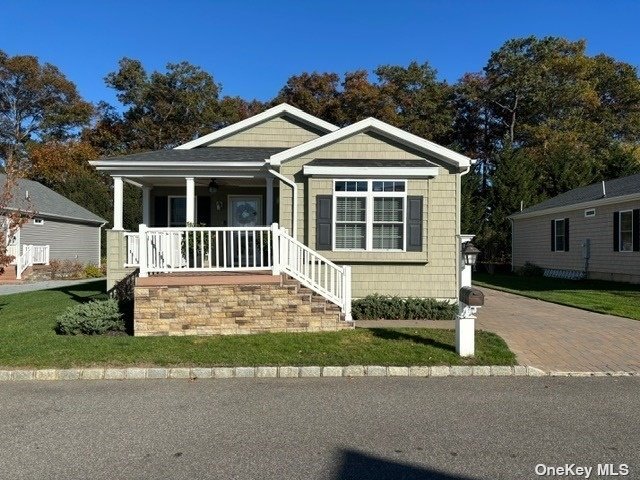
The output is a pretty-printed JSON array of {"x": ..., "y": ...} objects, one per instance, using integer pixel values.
[
  {"x": 532, "y": 237},
  {"x": 77, "y": 242},
  {"x": 430, "y": 271},
  {"x": 277, "y": 132}
]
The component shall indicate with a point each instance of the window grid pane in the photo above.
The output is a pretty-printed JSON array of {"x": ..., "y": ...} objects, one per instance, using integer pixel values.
[
  {"x": 387, "y": 209},
  {"x": 351, "y": 209},
  {"x": 387, "y": 237},
  {"x": 351, "y": 236}
]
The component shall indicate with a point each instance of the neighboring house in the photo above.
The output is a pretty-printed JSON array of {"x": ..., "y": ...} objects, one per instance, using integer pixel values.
[
  {"x": 368, "y": 208},
  {"x": 57, "y": 228},
  {"x": 591, "y": 231}
]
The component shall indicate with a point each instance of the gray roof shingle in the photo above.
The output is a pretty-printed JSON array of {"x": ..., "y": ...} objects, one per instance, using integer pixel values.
[
  {"x": 203, "y": 154},
  {"x": 44, "y": 201},
  {"x": 614, "y": 188}
]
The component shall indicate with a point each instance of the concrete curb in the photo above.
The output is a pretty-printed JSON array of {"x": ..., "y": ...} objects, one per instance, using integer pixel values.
[{"x": 136, "y": 373}]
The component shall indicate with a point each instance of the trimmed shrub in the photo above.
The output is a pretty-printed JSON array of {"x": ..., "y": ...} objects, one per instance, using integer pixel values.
[
  {"x": 92, "y": 318},
  {"x": 531, "y": 270},
  {"x": 66, "y": 269},
  {"x": 379, "y": 307},
  {"x": 93, "y": 271}
]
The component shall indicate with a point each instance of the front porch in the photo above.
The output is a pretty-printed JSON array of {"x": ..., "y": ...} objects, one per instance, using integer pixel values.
[{"x": 230, "y": 280}]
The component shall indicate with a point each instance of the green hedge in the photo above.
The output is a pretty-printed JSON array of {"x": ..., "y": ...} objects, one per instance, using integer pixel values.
[
  {"x": 379, "y": 307},
  {"x": 92, "y": 318}
]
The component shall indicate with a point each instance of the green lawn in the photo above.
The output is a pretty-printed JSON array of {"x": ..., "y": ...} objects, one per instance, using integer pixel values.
[
  {"x": 622, "y": 299},
  {"x": 28, "y": 340}
]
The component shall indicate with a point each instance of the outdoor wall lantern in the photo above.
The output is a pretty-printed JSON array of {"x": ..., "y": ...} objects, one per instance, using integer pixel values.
[
  {"x": 213, "y": 186},
  {"x": 470, "y": 253}
]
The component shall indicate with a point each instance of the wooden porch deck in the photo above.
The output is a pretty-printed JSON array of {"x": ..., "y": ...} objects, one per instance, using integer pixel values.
[{"x": 258, "y": 277}]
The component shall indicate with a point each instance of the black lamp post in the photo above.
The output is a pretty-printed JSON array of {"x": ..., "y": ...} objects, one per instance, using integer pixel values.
[
  {"x": 470, "y": 253},
  {"x": 213, "y": 186}
]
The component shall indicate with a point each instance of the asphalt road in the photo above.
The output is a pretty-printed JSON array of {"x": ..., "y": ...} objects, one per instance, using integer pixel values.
[{"x": 362, "y": 428}]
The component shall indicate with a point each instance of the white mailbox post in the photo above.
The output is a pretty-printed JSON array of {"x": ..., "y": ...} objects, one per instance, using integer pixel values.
[{"x": 470, "y": 299}]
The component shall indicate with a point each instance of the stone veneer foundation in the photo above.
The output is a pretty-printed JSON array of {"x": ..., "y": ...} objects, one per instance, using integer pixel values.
[{"x": 230, "y": 304}]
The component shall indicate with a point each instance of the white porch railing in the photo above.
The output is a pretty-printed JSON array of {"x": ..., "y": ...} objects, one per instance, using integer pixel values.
[
  {"x": 228, "y": 249},
  {"x": 40, "y": 254},
  {"x": 133, "y": 249}
]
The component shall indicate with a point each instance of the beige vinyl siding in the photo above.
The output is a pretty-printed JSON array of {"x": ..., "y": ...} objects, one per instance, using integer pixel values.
[
  {"x": 277, "y": 132},
  {"x": 67, "y": 241},
  {"x": 429, "y": 273},
  {"x": 532, "y": 243}
]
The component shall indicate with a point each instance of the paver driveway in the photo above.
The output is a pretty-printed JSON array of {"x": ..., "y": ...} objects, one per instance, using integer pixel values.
[{"x": 558, "y": 338}]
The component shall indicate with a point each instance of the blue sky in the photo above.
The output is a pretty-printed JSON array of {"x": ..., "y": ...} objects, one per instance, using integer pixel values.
[{"x": 252, "y": 47}]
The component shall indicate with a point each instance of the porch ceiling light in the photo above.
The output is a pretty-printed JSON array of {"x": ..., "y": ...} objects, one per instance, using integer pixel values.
[
  {"x": 470, "y": 253},
  {"x": 213, "y": 186}
]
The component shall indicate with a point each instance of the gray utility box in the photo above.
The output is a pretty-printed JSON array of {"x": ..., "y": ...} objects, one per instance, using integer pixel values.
[{"x": 472, "y": 296}]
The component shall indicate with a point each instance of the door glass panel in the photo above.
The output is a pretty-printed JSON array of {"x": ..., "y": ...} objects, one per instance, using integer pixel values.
[{"x": 177, "y": 211}]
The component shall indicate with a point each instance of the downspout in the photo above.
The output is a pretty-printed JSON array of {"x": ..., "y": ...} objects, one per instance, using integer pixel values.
[
  {"x": 294, "y": 189},
  {"x": 458, "y": 232}
]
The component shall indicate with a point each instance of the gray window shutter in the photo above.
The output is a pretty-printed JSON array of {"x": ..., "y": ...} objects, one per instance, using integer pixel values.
[
  {"x": 414, "y": 223},
  {"x": 616, "y": 231},
  {"x": 324, "y": 212},
  {"x": 553, "y": 235},
  {"x": 566, "y": 234},
  {"x": 636, "y": 230},
  {"x": 160, "y": 211}
]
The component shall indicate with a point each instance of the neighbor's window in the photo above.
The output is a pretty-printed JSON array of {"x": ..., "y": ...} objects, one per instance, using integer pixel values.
[
  {"x": 38, "y": 221},
  {"x": 626, "y": 231},
  {"x": 369, "y": 214},
  {"x": 591, "y": 212},
  {"x": 560, "y": 238}
]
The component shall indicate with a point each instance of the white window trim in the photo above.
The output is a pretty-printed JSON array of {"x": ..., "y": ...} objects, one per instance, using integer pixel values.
[
  {"x": 38, "y": 221},
  {"x": 369, "y": 195},
  {"x": 620, "y": 231},
  {"x": 590, "y": 213},
  {"x": 555, "y": 235}
]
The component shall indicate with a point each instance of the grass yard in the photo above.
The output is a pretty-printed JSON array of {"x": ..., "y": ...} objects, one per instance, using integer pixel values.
[
  {"x": 621, "y": 299},
  {"x": 28, "y": 340}
]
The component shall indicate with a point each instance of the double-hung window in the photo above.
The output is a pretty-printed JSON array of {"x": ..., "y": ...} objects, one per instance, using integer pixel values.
[
  {"x": 560, "y": 239},
  {"x": 369, "y": 215},
  {"x": 626, "y": 231}
]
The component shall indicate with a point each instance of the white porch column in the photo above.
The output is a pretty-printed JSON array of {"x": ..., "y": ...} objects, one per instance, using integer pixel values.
[
  {"x": 118, "y": 201},
  {"x": 269, "y": 181},
  {"x": 191, "y": 200},
  {"x": 146, "y": 205}
]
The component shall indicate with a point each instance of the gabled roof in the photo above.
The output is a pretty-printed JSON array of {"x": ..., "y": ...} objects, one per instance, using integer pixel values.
[
  {"x": 617, "y": 190},
  {"x": 42, "y": 201},
  {"x": 373, "y": 125},
  {"x": 277, "y": 111}
]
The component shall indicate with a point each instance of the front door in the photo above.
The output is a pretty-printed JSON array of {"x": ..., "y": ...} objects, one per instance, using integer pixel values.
[{"x": 245, "y": 211}]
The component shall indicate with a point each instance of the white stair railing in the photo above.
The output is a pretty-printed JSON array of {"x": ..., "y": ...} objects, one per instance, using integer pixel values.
[
  {"x": 24, "y": 261},
  {"x": 40, "y": 255},
  {"x": 316, "y": 272}
]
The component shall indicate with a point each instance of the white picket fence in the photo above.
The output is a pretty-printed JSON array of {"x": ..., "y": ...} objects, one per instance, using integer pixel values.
[{"x": 230, "y": 249}]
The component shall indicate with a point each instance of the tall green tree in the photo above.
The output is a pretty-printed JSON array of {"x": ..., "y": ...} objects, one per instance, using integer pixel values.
[
  {"x": 316, "y": 93},
  {"x": 167, "y": 108},
  {"x": 37, "y": 102}
]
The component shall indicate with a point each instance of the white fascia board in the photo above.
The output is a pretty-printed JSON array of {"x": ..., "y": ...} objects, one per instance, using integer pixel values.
[
  {"x": 384, "y": 129},
  {"x": 576, "y": 206},
  {"x": 403, "y": 172},
  {"x": 141, "y": 165},
  {"x": 274, "y": 112}
]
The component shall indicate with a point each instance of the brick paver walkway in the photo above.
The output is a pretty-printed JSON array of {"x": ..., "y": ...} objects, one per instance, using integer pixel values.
[{"x": 555, "y": 337}]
